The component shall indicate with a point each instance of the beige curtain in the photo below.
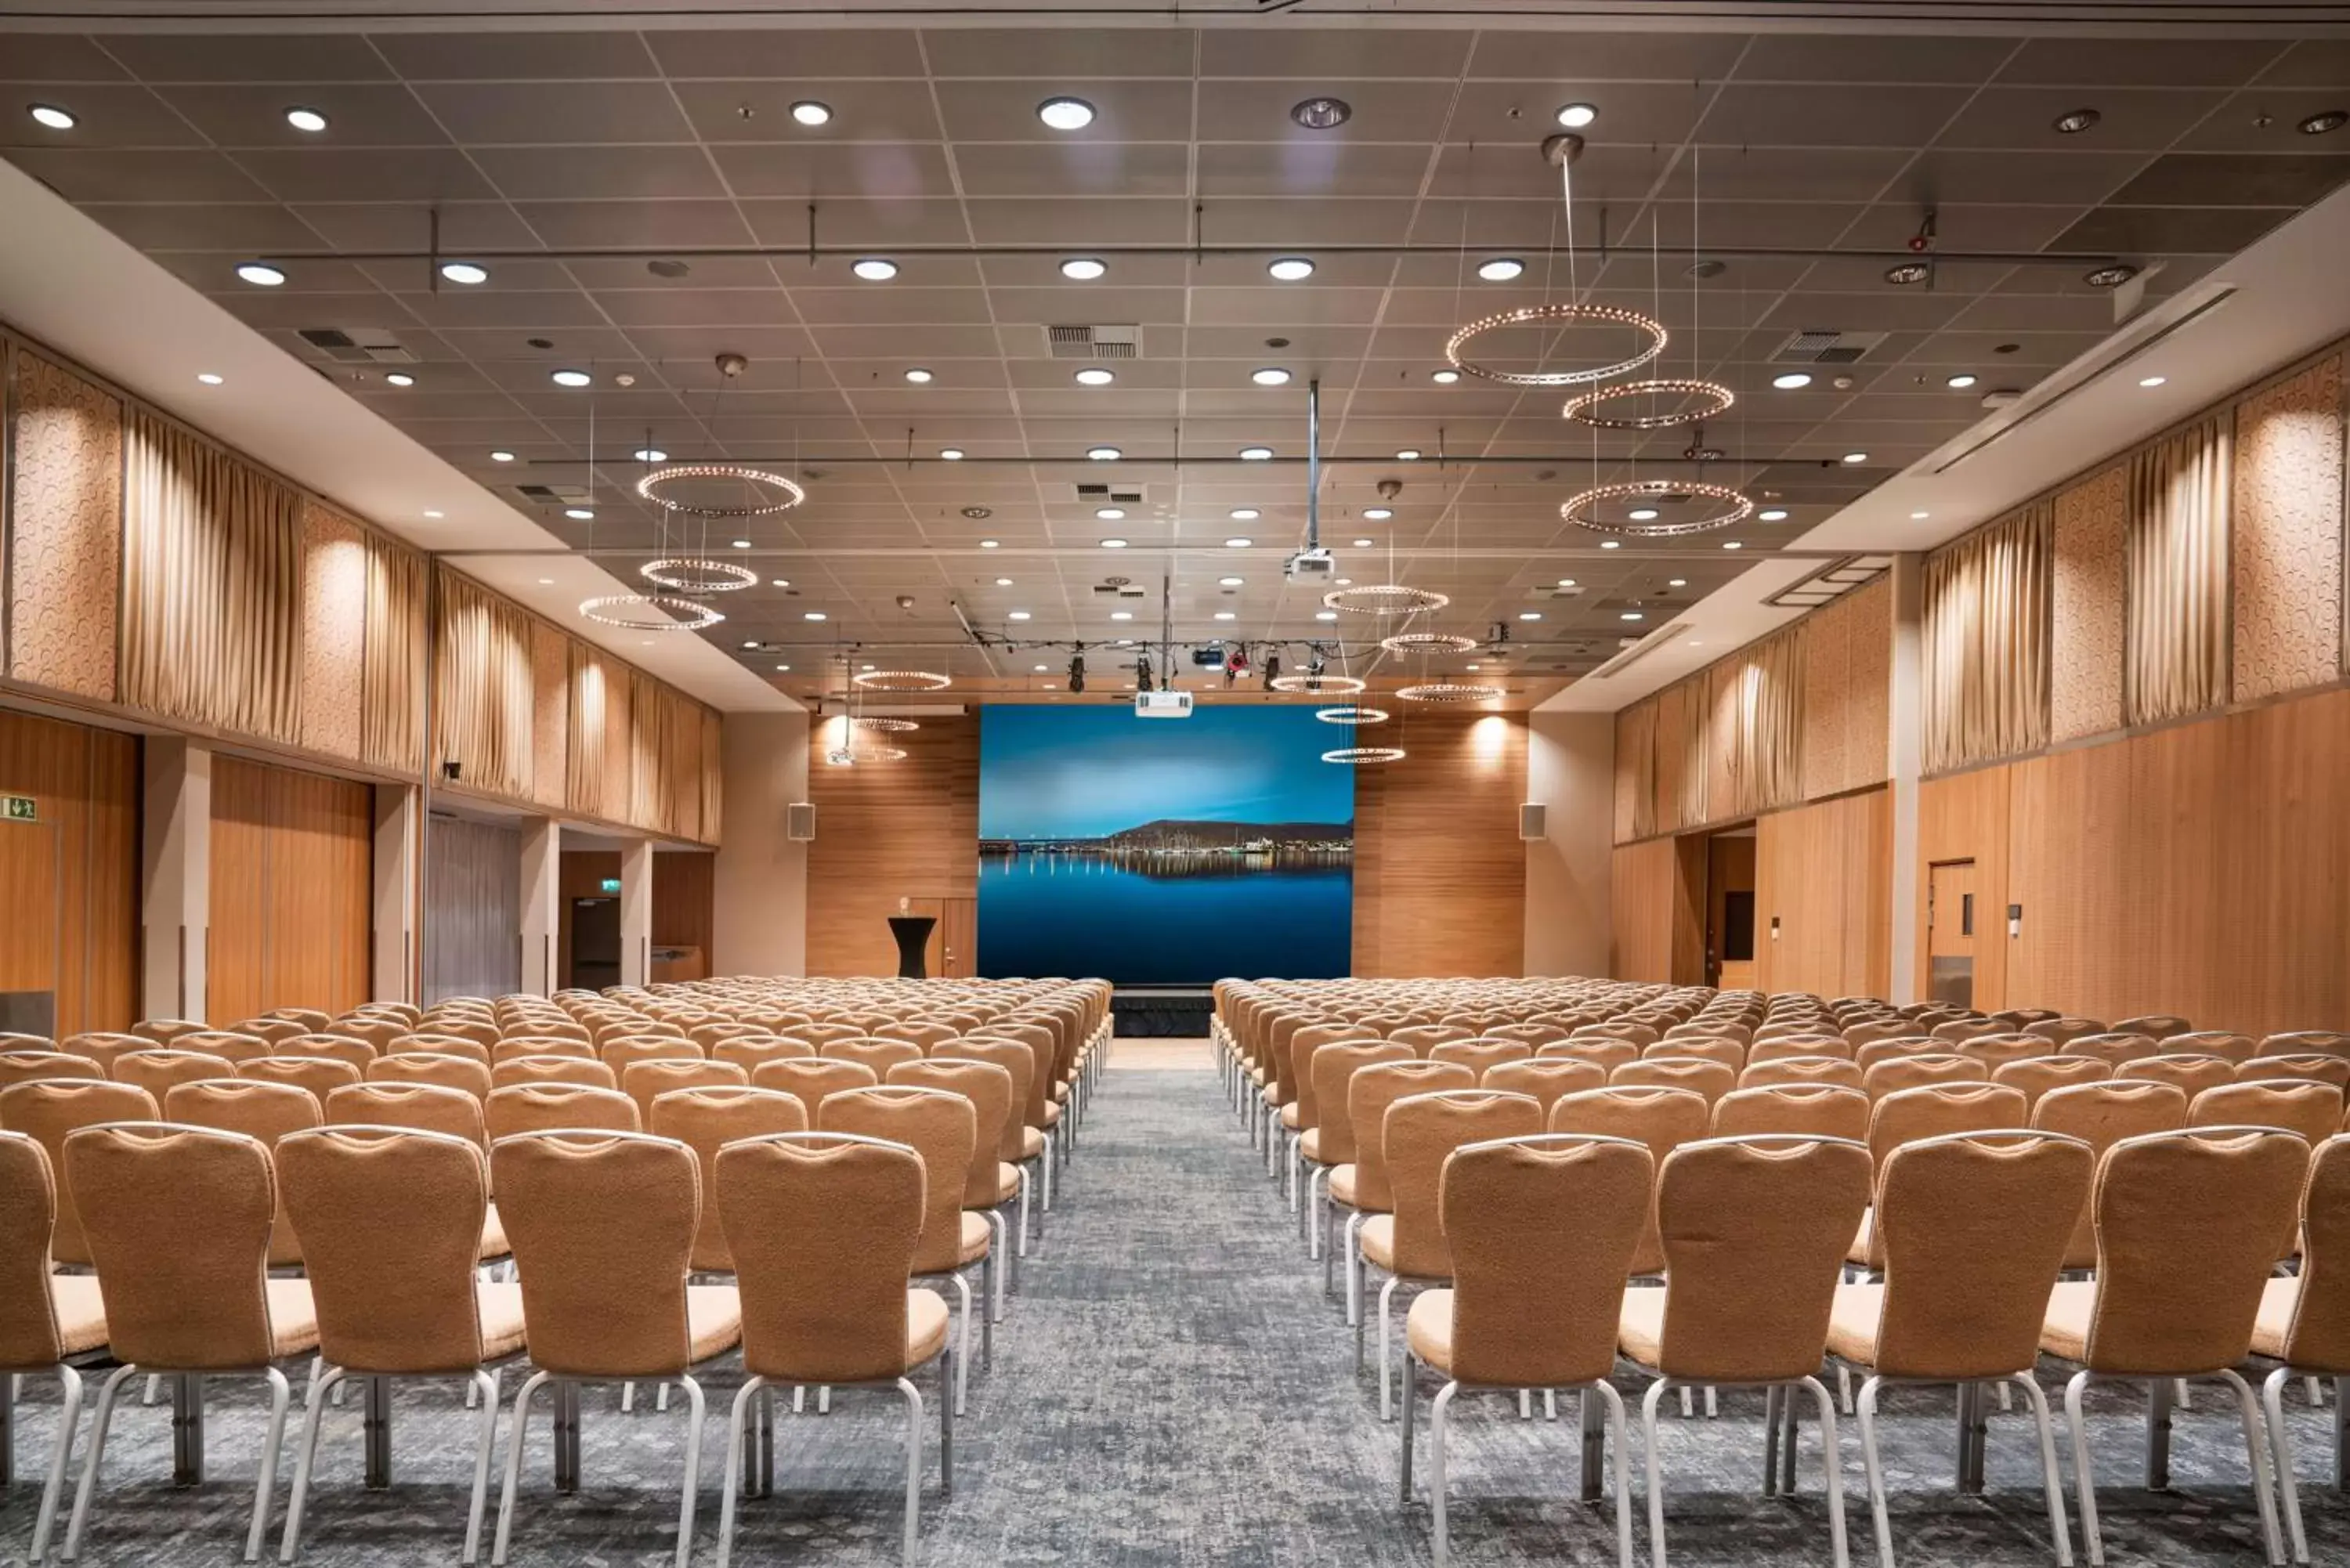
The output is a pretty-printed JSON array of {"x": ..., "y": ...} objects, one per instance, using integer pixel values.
[
  {"x": 584, "y": 763},
  {"x": 212, "y": 587},
  {"x": 483, "y": 692},
  {"x": 1986, "y": 642},
  {"x": 713, "y": 772},
  {"x": 391, "y": 678},
  {"x": 1765, "y": 732},
  {"x": 1638, "y": 735},
  {"x": 2175, "y": 657}
]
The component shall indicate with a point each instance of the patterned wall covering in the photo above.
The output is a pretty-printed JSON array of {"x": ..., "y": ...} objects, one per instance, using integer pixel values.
[
  {"x": 1847, "y": 663},
  {"x": 2086, "y": 622},
  {"x": 550, "y": 668},
  {"x": 334, "y": 630},
  {"x": 64, "y": 539},
  {"x": 2287, "y": 542}
]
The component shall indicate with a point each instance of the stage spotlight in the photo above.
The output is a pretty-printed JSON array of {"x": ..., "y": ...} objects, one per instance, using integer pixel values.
[
  {"x": 1271, "y": 670},
  {"x": 1077, "y": 672},
  {"x": 1142, "y": 673}
]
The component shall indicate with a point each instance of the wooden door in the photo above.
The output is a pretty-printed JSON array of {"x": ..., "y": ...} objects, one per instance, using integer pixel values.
[
  {"x": 954, "y": 946},
  {"x": 1951, "y": 921}
]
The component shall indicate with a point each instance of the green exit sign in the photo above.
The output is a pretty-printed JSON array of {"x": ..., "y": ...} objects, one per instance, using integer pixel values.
[
  {"x": 612, "y": 884},
  {"x": 22, "y": 808}
]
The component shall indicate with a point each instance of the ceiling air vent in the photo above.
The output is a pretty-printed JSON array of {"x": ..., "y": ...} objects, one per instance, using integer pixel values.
[
  {"x": 1820, "y": 347},
  {"x": 1102, "y": 495},
  {"x": 553, "y": 495},
  {"x": 1660, "y": 638},
  {"x": 1094, "y": 342},
  {"x": 359, "y": 345}
]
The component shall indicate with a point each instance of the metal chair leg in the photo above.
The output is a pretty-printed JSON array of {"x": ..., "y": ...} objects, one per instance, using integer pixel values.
[
  {"x": 1648, "y": 1403},
  {"x": 730, "y": 1486},
  {"x": 264, "y": 1489},
  {"x": 107, "y": 1392},
  {"x": 1832, "y": 1456},
  {"x": 2093, "y": 1544},
  {"x": 913, "y": 1398},
  {"x": 1436, "y": 1413},
  {"x": 2058, "y": 1531},
  {"x": 1864, "y": 1409},
  {"x": 2247, "y": 1410},
  {"x": 53, "y": 1489},
  {"x": 516, "y": 1432},
  {"x": 2281, "y": 1451},
  {"x": 306, "y": 1454}
]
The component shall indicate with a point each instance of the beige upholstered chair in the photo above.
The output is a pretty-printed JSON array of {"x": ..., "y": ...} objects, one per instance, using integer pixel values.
[
  {"x": 233, "y": 1043},
  {"x": 1839, "y": 1070},
  {"x": 553, "y": 1108},
  {"x": 991, "y": 1182},
  {"x": 1425, "y": 1037},
  {"x": 1363, "y": 1185},
  {"x": 442, "y": 1071},
  {"x": 316, "y": 1075},
  {"x": 1903, "y": 1047},
  {"x": 1826, "y": 1110},
  {"x": 1605, "y": 1052},
  {"x": 1930, "y": 1110},
  {"x": 2114, "y": 1048},
  {"x": 707, "y": 1119},
  {"x": 2220, "y": 1196},
  {"x": 2036, "y": 1075},
  {"x": 2306, "y": 1066},
  {"x": 1730, "y": 1053},
  {"x": 1959, "y": 1031},
  {"x": 2101, "y": 1116},
  {"x": 2059, "y": 1030},
  {"x": 1711, "y": 1079},
  {"x": 374, "y": 1028},
  {"x": 394, "y": 1218},
  {"x": 1481, "y": 1056},
  {"x": 1417, "y": 1134},
  {"x": 102, "y": 1046},
  {"x": 1021, "y": 1146},
  {"x": 2313, "y": 1111},
  {"x": 47, "y": 1110},
  {"x": 1899, "y": 1072},
  {"x": 262, "y": 1111},
  {"x": 341, "y": 1048},
  {"x": 2156, "y": 1026},
  {"x": 2305, "y": 1319},
  {"x": 752, "y": 1051},
  {"x": 32, "y": 1066},
  {"x": 2322, "y": 1042},
  {"x": 628, "y": 1050},
  {"x": 585, "y": 1072},
  {"x": 512, "y": 1045},
  {"x": 824, "y": 1229},
  {"x": 813, "y": 1078},
  {"x": 603, "y": 1225},
  {"x": 1996, "y": 1051},
  {"x": 2190, "y": 1075},
  {"x": 44, "y": 1316},
  {"x": 1329, "y": 1145},
  {"x": 645, "y": 1082},
  {"x": 178, "y": 1220},
  {"x": 1974, "y": 1229},
  {"x": 165, "y": 1031},
  {"x": 312, "y": 1018},
  {"x": 440, "y": 1045},
  {"x": 1754, "y": 1230},
  {"x": 1659, "y": 1119},
  {"x": 2224, "y": 1042},
  {"x": 1545, "y": 1081},
  {"x": 159, "y": 1070},
  {"x": 1541, "y": 1231}
]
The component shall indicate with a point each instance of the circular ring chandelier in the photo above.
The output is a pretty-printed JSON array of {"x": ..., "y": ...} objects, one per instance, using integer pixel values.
[
  {"x": 650, "y": 487},
  {"x": 881, "y": 754},
  {"x": 1427, "y": 643},
  {"x": 883, "y": 725},
  {"x": 1584, "y": 407},
  {"x": 1385, "y": 598},
  {"x": 1735, "y": 507},
  {"x": 1451, "y": 691},
  {"x": 1355, "y": 756},
  {"x": 650, "y": 612},
  {"x": 683, "y": 574},
  {"x": 1558, "y": 315},
  {"x": 1319, "y": 685},
  {"x": 903, "y": 680},
  {"x": 1351, "y": 715}
]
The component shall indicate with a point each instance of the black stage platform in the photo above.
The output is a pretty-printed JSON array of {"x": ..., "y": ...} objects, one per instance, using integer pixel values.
[{"x": 1163, "y": 1012}]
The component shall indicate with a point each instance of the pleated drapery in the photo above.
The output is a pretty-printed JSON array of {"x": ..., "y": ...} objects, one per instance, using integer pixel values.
[
  {"x": 592, "y": 703},
  {"x": 483, "y": 689},
  {"x": 212, "y": 587},
  {"x": 1986, "y": 641},
  {"x": 391, "y": 674},
  {"x": 1636, "y": 771},
  {"x": 1761, "y": 727},
  {"x": 2175, "y": 659}
]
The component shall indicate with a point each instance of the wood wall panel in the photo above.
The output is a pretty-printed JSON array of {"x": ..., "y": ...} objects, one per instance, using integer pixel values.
[
  {"x": 2086, "y": 593},
  {"x": 1439, "y": 871},
  {"x": 1643, "y": 894},
  {"x": 64, "y": 533},
  {"x": 292, "y": 861},
  {"x": 473, "y": 908},
  {"x": 907, "y": 829},
  {"x": 334, "y": 630},
  {"x": 1964, "y": 817},
  {"x": 2287, "y": 535},
  {"x": 1825, "y": 873},
  {"x": 69, "y": 881}
]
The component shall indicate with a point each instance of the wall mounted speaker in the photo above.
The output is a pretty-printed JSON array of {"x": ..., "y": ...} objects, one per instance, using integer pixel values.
[
  {"x": 799, "y": 821},
  {"x": 1529, "y": 820}
]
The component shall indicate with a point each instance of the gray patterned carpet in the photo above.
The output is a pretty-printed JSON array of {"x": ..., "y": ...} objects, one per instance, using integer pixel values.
[{"x": 1171, "y": 1388}]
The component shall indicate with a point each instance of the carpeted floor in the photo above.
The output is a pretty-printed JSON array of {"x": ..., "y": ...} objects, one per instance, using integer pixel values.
[{"x": 1171, "y": 1388}]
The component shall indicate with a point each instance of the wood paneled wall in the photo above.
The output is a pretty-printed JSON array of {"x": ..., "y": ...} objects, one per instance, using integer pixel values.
[
  {"x": 1966, "y": 817},
  {"x": 1657, "y": 888},
  {"x": 1439, "y": 871},
  {"x": 69, "y": 881},
  {"x": 684, "y": 900},
  {"x": 292, "y": 863},
  {"x": 907, "y": 829},
  {"x": 1825, "y": 872},
  {"x": 473, "y": 908}
]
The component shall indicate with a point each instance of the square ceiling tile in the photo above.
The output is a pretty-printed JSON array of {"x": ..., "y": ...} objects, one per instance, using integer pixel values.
[
  {"x": 762, "y": 111},
  {"x": 247, "y": 56},
  {"x": 1124, "y": 110},
  {"x": 599, "y": 174},
  {"x": 516, "y": 56},
  {"x": 537, "y": 113},
  {"x": 428, "y": 174}
]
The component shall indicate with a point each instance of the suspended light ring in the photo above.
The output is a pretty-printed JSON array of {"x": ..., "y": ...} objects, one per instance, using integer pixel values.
[
  {"x": 1582, "y": 406},
  {"x": 1351, "y": 715},
  {"x": 1319, "y": 685},
  {"x": 650, "y": 612},
  {"x": 1736, "y": 507},
  {"x": 903, "y": 680},
  {"x": 1427, "y": 643},
  {"x": 1385, "y": 598},
  {"x": 650, "y": 487},
  {"x": 1451, "y": 691},
  {"x": 881, "y": 754},
  {"x": 1558, "y": 315},
  {"x": 883, "y": 725},
  {"x": 685, "y": 575},
  {"x": 1355, "y": 756}
]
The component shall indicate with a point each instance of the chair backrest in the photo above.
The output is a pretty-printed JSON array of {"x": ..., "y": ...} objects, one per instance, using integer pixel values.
[
  {"x": 2190, "y": 1074},
  {"x": 1711, "y": 1079},
  {"x": 628, "y": 1050},
  {"x": 520, "y": 1109},
  {"x": 512, "y": 1045},
  {"x": 391, "y": 1223},
  {"x": 2327, "y": 1042},
  {"x": 375, "y": 1029},
  {"x": 1419, "y": 1132},
  {"x": 1995, "y": 1051},
  {"x": 340, "y": 1047},
  {"x": 2101, "y": 1116},
  {"x": 32, "y": 1066},
  {"x": 643, "y": 1082},
  {"x": 2319, "y": 1335},
  {"x": 1332, "y": 1069},
  {"x": 440, "y": 1045},
  {"x": 235, "y": 1044},
  {"x": 1659, "y": 1119},
  {"x": 47, "y": 1110},
  {"x": 1544, "y": 1080},
  {"x": 1959, "y": 1031},
  {"x": 2311, "y": 1110},
  {"x": 813, "y": 1078},
  {"x": 1801, "y": 1048},
  {"x": 602, "y": 1227},
  {"x": 1425, "y": 1037},
  {"x": 29, "y": 1207},
  {"x": 178, "y": 1220},
  {"x": 2188, "y": 1227},
  {"x": 1827, "y": 1110},
  {"x": 2306, "y": 1066},
  {"x": 103, "y": 1047},
  {"x": 1606, "y": 1053},
  {"x": 316, "y": 1075},
  {"x": 2224, "y": 1042},
  {"x": 1973, "y": 1227},
  {"x": 1480, "y": 1056},
  {"x": 416, "y": 1108},
  {"x": 2155, "y": 1026},
  {"x": 2035, "y": 1076},
  {"x": 1933, "y": 1110},
  {"x": 1542, "y": 1232},
  {"x": 707, "y": 1119},
  {"x": 1836, "y": 1070},
  {"x": 752, "y": 1051},
  {"x": 2110, "y": 1046},
  {"x": 260, "y": 1110},
  {"x": 1369, "y": 1092},
  {"x": 823, "y": 1230},
  {"x": 942, "y": 1128},
  {"x": 988, "y": 1087},
  {"x": 1891, "y": 1077},
  {"x": 879, "y": 1054},
  {"x": 1875, "y": 1029},
  {"x": 585, "y": 1072},
  {"x": 1730, "y": 1053},
  {"x": 164, "y": 1031},
  {"x": 1018, "y": 1063},
  {"x": 1754, "y": 1233},
  {"x": 1627, "y": 1030},
  {"x": 2058, "y": 1031},
  {"x": 442, "y": 1071}
]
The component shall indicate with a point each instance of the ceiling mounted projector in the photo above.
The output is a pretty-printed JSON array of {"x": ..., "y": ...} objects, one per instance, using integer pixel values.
[
  {"x": 1162, "y": 704},
  {"x": 1315, "y": 565}
]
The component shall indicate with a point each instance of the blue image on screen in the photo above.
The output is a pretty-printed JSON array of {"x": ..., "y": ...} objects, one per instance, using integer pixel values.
[{"x": 1163, "y": 851}]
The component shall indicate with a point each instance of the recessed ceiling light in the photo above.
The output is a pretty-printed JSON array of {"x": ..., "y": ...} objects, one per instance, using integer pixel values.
[
  {"x": 1530, "y": 615},
  {"x": 1576, "y": 116},
  {"x": 1066, "y": 113},
  {"x": 1377, "y": 514},
  {"x": 1016, "y": 615},
  {"x": 1238, "y": 543},
  {"x": 1566, "y": 582},
  {"x": 812, "y": 615},
  {"x": 1444, "y": 378},
  {"x": 400, "y": 378},
  {"x": 50, "y": 115},
  {"x": 1500, "y": 269},
  {"x": 742, "y": 544},
  {"x": 1113, "y": 543},
  {"x": 779, "y": 582},
  {"x": 783, "y": 669},
  {"x": 1290, "y": 269},
  {"x": 579, "y": 514},
  {"x": 1110, "y": 514},
  {"x": 650, "y": 454},
  {"x": 1677, "y": 582},
  {"x": 2113, "y": 275},
  {"x": 808, "y": 111},
  {"x": 1043, "y": 668},
  {"x": 1642, "y": 514},
  {"x": 1852, "y": 459},
  {"x": 1255, "y": 454},
  {"x": 1732, "y": 545},
  {"x": 1473, "y": 667},
  {"x": 1121, "y": 615},
  {"x": 429, "y": 513},
  {"x": 920, "y": 377},
  {"x": 874, "y": 269},
  {"x": 1791, "y": 381},
  {"x": 1245, "y": 514},
  {"x": 2324, "y": 121},
  {"x": 465, "y": 271},
  {"x": 1103, "y": 455},
  {"x": 950, "y": 453},
  {"x": 1004, "y": 582},
  {"x": 2152, "y": 380},
  {"x": 1611, "y": 543},
  {"x": 1772, "y": 515},
  {"x": 1271, "y": 376},
  {"x": 1084, "y": 269},
  {"x": 1230, "y": 582},
  {"x": 1096, "y": 376},
  {"x": 570, "y": 378},
  {"x": 502, "y": 456},
  {"x": 1362, "y": 544},
  {"x": 753, "y": 643},
  {"x": 1959, "y": 382},
  {"x": 261, "y": 274},
  {"x": 987, "y": 543},
  {"x": 1322, "y": 113},
  {"x": 546, "y": 582},
  {"x": 1226, "y": 615},
  {"x": 1920, "y": 516},
  {"x": 1908, "y": 272},
  {"x": 1325, "y": 615},
  {"x": 868, "y": 669},
  {"x": 1409, "y": 454},
  {"x": 210, "y": 378},
  {"x": 1631, "y": 615},
  {"x": 2074, "y": 122}
]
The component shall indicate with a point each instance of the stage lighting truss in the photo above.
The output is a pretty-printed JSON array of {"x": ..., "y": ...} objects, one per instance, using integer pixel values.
[
  {"x": 1427, "y": 643},
  {"x": 1352, "y": 715},
  {"x": 1585, "y": 406},
  {"x": 1318, "y": 685},
  {"x": 652, "y": 484},
  {"x": 683, "y": 575},
  {"x": 650, "y": 612},
  {"x": 1735, "y": 508},
  {"x": 1357, "y": 756},
  {"x": 883, "y": 725},
  {"x": 1449, "y": 691},
  {"x": 1558, "y": 316},
  {"x": 1385, "y": 598},
  {"x": 903, "y": 680}
]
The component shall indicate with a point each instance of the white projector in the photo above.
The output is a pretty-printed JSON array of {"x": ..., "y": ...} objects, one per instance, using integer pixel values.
[
  {"x": 1162, "y": 704},
  {"x": 1316, "y": 566}
]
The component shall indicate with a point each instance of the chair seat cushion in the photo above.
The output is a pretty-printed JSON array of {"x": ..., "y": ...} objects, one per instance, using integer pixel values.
[
  {"x": 926, "y": 1326},
  {"x": 714, "y": 1320},
  {"x": 1342, "y": 1185},
  {"x": 1291, "y": 1115},
  {"x": 1052, "y": 1117},
  {"x": 1008, "y": 1183},
  {"x": 1032, "y": 1145},
  {"x": 81, "y": 1312},
  {"x": 1379, "y": 1241},
  {"x": 293, "y": 1319},
  {"x": 1641, "y": 1325},
  {"x": 976, "y": 1233},
  {"x": 1310, "y": 1146},
  {"x": 494, "y": 1235},
  {"x": 502, "y": 1325},
  {"x": 1861, "y": 1239},
  {"x": 1428, "y": 1329},
  {"x": 1855, "y": 1321},
  {"x": 2064, "y": 1329},
  {"x": 2269, "y": 1330}
]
